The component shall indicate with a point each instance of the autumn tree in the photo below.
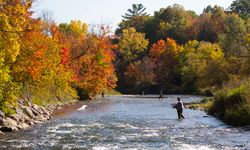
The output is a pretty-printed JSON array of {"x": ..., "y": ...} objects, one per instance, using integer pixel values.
[
  {"x": 247, "y": 45},
  {"x": 211, "y": 24},
  {"x": 165, "y": 56},
  {"x": 95, "y": 72},
  {"x": 73, "y": 36},
  {"x": 132, "y": 47},
  {"x": 40, "y": 67},
  {"x": 14, "y": 16},
  {"x": 205, "y": 65},
  {"x": 140, "y": 76},
  {"x": 90, "y": 58},
  {"x": 171, "y": 22}
]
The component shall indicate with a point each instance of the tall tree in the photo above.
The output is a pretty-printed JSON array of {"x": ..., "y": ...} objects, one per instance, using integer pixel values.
[
  {"x": 241, "y": 7},
  {"x": 137, "y": 10},
  {"x": 205, "y": 64},
  {"x": 94, "y": 70},
  {"x": 90, "y": 58},
  {"x": 140, "y": 76},
  {"x": 14, "y": 16},
  {"x": 211, "y": 24},
  {"x": 132, "y": 45},
  {"x": 232, "y": 37},
  {"x": 135, "y": 17},
  {"x": 165, "y": 56},
  {"x": 171, "y": 22}
]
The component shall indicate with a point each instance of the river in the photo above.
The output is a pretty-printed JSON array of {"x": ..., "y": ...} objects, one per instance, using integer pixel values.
[{"x": 131, "y": 122}]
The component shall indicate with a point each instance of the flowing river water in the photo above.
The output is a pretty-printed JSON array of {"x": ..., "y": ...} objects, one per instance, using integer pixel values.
[{"x": 131, "y": 122}]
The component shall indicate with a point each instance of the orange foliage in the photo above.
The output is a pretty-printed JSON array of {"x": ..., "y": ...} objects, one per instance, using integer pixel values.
[
  {"x": 95, "y": 71},
  {"x": 90, "y": 57},
  {"x": 164, "y": 55},
  {"x": 164, "y": 50}
]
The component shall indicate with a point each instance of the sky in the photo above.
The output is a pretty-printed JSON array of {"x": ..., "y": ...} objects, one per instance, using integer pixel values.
[{"x": 110, "y": 11}]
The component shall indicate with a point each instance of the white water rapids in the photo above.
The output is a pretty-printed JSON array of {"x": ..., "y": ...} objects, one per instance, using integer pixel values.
[{"x": 131, "y": 123}]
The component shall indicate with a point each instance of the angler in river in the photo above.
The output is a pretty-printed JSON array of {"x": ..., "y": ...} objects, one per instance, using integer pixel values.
[
  {"x": 160, "y": 95},
  {"x": 179, "y": 107}
]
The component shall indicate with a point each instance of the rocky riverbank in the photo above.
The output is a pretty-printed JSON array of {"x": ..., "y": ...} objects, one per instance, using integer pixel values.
[{"x": 27, "y": 114}]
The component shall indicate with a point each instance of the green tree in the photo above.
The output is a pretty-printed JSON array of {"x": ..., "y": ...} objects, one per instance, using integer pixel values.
[
  {"x": 232, "y": 37},
  {"x": 171, "y": 22},
  {"x": 241, "y": 7},
  {"x": 137, "y": 10},
  {"x": 135, "y": 18},
  {"x": 211, "y": 24},
  {"x": 208, "y": 9},
  {"x": 205, "y": 64}
]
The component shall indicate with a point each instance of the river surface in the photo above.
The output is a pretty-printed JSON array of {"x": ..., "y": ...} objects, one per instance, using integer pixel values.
[{"x": 131, "y": 122}]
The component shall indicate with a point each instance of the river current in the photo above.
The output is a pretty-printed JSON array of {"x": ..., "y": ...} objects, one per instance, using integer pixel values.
[{"x": 131, "y": 122}]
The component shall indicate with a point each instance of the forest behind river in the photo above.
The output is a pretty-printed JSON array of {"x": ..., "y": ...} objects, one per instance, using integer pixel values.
[{"x": 175, "y": 51}]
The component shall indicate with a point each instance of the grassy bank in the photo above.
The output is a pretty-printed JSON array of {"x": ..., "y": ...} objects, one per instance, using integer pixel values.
[
  {"x": 231, "y": 103},
  {"x": 204, "y": 104}
]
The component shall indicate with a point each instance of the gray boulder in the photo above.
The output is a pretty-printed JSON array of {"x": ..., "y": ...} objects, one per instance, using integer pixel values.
[
  {"x": 31, "y": 123},
  {"x": 1, "y": 118},
  {"x": 23, "y": 126},
  {"x": 25, "y": 118},
  {"x": 29, "y": 112},
  {"x": 8, "y": 122},
  {"x": 41, "y": 118},
  {"x": 1, "y": 121},
  {"x": 38, "y": 109},
  {"x": 1, "y": 114},
  {"x": 9, "y": 125},
  {"x": 38, "y": 122},
  {"x": 19, "y": 111},
  {"x": 18, "y": 117},
  {"x": 35, "y": 112}
]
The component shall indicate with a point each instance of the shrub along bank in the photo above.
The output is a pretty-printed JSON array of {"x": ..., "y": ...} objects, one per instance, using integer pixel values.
[{"x": 232, "y": 104}]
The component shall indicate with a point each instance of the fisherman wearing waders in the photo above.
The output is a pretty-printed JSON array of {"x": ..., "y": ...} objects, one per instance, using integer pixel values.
[
  {"x": 161, "y": 95},
  {"x": 179, "y": 107}
]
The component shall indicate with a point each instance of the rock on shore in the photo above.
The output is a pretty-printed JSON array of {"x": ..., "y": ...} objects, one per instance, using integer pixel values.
[{"x": 27, "y": 114}]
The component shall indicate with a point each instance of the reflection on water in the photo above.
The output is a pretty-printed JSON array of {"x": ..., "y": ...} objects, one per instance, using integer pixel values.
[{"x": 131, "y": 122}]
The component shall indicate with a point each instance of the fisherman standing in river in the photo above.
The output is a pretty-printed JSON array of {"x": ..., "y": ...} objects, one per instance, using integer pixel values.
[
  {"x": 160, "y": 95},
  {"x": 179, "y": 107}
]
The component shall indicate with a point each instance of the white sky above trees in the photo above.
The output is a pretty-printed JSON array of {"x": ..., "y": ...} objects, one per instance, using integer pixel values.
[{"x": 110, "y": 11}]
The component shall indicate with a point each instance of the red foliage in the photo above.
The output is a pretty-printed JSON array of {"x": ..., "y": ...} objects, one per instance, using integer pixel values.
[{"x": 65, "y": 56}]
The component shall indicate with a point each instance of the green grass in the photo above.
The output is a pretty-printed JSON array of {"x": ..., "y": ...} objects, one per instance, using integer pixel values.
[{"x": 203, "y": 104}]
